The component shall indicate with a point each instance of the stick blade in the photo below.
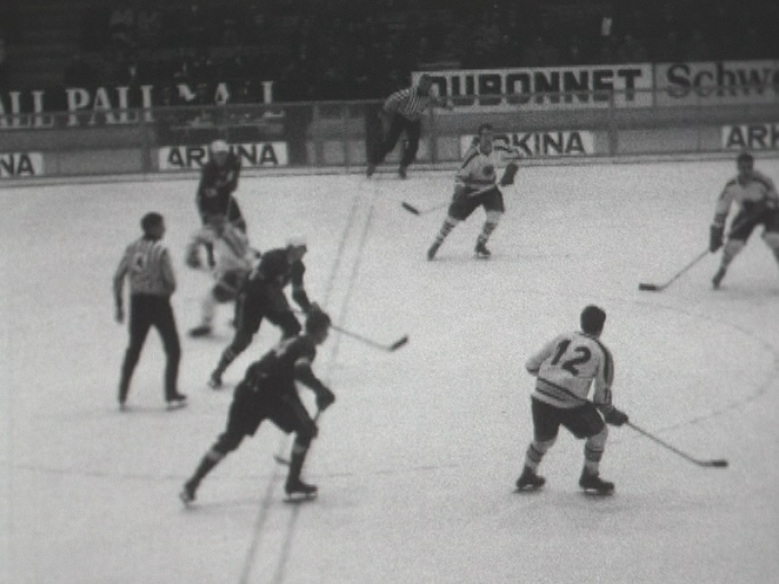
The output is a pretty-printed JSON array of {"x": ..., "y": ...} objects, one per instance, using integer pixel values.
[
  {"x": 410, "y": 208},
  {"x": 399, "y": 343},
  {"x": 649, "y": 287},
  {"x": 719, "y": 463}
]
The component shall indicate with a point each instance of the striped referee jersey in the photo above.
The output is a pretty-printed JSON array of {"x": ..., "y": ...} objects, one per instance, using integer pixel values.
[
  {"x": 147, "y": 264},
  {"x": 409, "y": 103}
]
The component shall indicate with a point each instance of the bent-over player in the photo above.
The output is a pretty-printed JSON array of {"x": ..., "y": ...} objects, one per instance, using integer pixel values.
[
  {"x": 268, "y": 392},
  {"x": 262, "y": 296},
  {"x": 234, "y": 261},
  {"x": 758, "y": 200},
  {"x": 475, "y": 186},
  {"x": 565, "y": 369}
]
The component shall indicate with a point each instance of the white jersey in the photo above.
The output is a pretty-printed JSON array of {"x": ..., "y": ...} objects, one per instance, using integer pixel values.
[
  {"x": 479, "y": 169},
  {"x": 231, "y": 249},
  {"x": 758, "y": 189},
  {"x": 568, "y": 366}
]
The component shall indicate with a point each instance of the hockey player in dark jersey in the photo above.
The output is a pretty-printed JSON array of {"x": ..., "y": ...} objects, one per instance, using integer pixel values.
[
  {"x": 218, "y": 181},
  {"x": 268, "y": 392},
  {"x": 262, "y": 296}
]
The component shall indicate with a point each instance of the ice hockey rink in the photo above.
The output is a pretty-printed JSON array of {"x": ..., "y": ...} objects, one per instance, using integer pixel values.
[{"x": 416, "y": 461}]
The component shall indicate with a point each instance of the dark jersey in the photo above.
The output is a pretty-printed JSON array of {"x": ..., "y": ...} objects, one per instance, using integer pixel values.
[
  {"x": 217, "y": 184},
  {"x": 275, "y": 268},
  {"x": 275, "y": 371}
]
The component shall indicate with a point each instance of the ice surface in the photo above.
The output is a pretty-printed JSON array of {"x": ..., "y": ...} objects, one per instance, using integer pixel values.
[{"x": 416, "y": 460}]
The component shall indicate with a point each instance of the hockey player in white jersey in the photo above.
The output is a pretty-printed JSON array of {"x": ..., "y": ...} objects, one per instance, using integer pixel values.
[
  {"x": 758, "y": 200},
  {"x": 234, "y": 260},
  {"x": 566, "y": 368},
  {"x": 476, "y": 185}
]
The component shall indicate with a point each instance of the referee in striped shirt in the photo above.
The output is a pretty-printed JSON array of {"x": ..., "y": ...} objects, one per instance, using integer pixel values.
[
  {"x": 402, "y": 111},
  {"x": 146, "y": 263}
]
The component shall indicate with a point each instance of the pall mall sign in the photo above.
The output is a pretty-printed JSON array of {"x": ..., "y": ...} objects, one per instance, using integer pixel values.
[
  {"x": 254, "y": 155},
  {"x": 751, "y": 137},
  {"x": 548, "y": 88},
  {"x": 717, "y": 83}
]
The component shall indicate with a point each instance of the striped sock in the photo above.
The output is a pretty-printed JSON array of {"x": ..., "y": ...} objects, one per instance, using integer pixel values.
[
  {"x": 486, "y": 231},
  {"x": 446, "y": 228}
]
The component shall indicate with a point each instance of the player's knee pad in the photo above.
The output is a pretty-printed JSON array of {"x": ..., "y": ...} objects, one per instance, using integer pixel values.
[
  {"x": 598, "y": 441},
  {"x": 493, "y": 216},
  {"x": 544, "y": 445},
  {"x": 731, "y": 249},
  {"x": 771, "y": 239}
]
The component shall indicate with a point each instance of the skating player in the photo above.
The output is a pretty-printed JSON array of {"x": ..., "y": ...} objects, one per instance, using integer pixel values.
[
  {"x": 758, "y": 200},
  {"x": 476, "y": 185},
  {"x": 565, "y": 369},
  {"x": 262, "y": 296},
  {"x": 218, "y": 181},
  {"x": 268, "y": 392}
]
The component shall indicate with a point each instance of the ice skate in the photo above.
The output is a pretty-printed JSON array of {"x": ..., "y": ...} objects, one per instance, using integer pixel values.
[
  {"x": 200, "y": 331},
  {"x": 187, "y": 494},
  {"x": 529, "y": 480},
  {"x": 297, "y": 490},
  {"x": 718, "y": 277},
  {"x": 370, "y": 170},
  {"x": 481, "y": 251},
  {"x": 592, "y": 483},
  {"x": 432, "y": 251},
  {"x": 177, "y": 400},
  {"x": 402, "y": 172}
]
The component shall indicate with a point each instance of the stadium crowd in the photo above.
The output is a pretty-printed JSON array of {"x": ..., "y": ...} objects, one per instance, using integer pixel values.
[{"x": 352, "y": 49}]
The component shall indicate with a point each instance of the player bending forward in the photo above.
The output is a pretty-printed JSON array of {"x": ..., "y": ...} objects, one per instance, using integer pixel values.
[
  {"x": 262, "y": 297},
  {"x": 565, "y": 369},
  {"x": 756, "y": 194},
  {"x": 475, "y": 186},
  {"x": 234, "y": 261},
  {"x": 268, "y": 392}
]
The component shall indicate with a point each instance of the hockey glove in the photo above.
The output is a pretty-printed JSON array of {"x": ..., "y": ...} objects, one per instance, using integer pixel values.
[
  {"x": 324, "y": 399},
  {"x": 193, "y": 258},
  {"x": 615, "y": 418},
  {"x": 715, "y": 237},
  {"x": 508, "y": 174}
]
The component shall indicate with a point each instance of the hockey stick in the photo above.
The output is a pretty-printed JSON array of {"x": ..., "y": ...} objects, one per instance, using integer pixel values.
[
  {"x": 389, "y": 348},
  {"x": 716, "y": 463},
  {"x": 285, "y": 461},
  {"x": 412, "y": 209},
  {"x": 660, "y": 287}
]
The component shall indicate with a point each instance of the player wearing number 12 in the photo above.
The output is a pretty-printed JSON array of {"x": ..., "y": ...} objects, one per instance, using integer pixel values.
[{"x": 565, "y": 369}]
